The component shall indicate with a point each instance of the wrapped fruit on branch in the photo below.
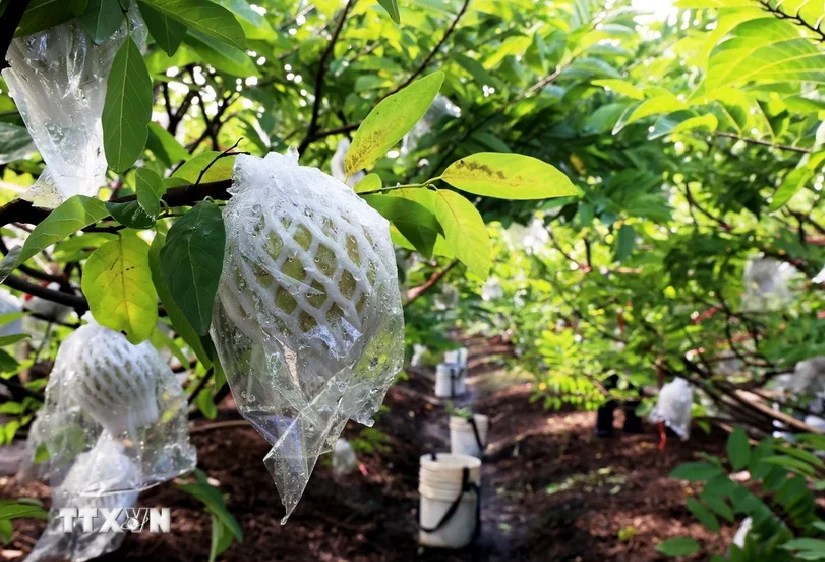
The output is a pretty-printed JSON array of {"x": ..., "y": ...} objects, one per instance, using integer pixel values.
[
  {"x": 674, "y": 409},
  {"x": 103, "y": 385},
  {"x": 58, "y": 81},
  {"x": 308, "y": 322},
  {"x": 115, "y": 480}
]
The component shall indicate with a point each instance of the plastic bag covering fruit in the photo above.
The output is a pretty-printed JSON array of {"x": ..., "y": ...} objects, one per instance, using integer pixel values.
[
  {"x": 337, "y": 165},
  {"x": 766, "y": 282},
  {"x": 102, "y": 384},
  {"x": 441, "y": 107},
  {"x": 9, "y": 304},
  {"x": 58, "y": 82},
  {"x": 115, "y": 479},
  {"x": 674, "y": 407},
  {"x": 308, "y": 320}
]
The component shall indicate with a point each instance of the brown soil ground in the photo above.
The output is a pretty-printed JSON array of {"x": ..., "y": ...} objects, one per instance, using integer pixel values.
[{"x": 551, "y": 491}]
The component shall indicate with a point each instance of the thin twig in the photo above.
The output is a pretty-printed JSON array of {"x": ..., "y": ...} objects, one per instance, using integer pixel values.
[
  {"x": 800, "y": 149},
  {"x": 318, "y": 91},
  {"x": 223, "y": 154}
]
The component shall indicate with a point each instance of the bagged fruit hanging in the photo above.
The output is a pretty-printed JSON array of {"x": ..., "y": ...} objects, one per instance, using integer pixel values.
[
  {"x": 308, "y": 321},
  {"x": 58, "y": 81},
  {"x": 102, "y": 385},
  {"x": 674, "y": 408}
]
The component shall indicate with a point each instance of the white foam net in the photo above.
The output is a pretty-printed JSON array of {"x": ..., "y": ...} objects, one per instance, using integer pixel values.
[
  {"x": 308, "y": 321},
  {"x": 58, "y": 82},
  {"x": 674, "y": 407}
]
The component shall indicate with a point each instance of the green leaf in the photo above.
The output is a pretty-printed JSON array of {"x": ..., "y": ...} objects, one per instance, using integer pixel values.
[
  {"x": 149, "y": 188},
  {"x": 508, "y": 176},
  {"x": 389, "y": 121},
  {"x": 255, "y": 26},
  {"x": 192, "y": 260},
  {"x": 212, "y": 499},
  {"x": 179, "y": 322},
  {"x": 703, "y": 515},
  {"x": 625, "y": 242},
  {"x": 739, "y": 450},
  {"x": 164, "y": 146},
  {"x": 101, "y": 19},
  {"x": 168, "y": 32},
  {"x": 73, "y": 214},
  {"x": 130, "y": 214},
  {"x": 695, "y": 471},
  {"x": 220, "y": 168},
  {"x": 415, "y": 222},
  {"x": 223, "y": 57},
  {"x": 12, "y": 338},
  {"x": 118, "y": 284},
  {"x": 20, "y": 510},
  {"x": 43, "y": 14},
  {"x": 370, "y": 182},
  {"x": 805, "y": 544},
  {"x": 764, "y": 50},
  {"x": 15, "y": 143},
  {"x": 221, "y": 538},
  {"x": 791, "y": 464},
  {"x": 621, "y": 87},
  {"x": 392, "y": 9},
  {"x": 465, "y": 234},
  {"x": 127, "y": 109},
  {"x": 6, "y": 531},
  {"x": 796, "y": 179},
  {"x": 681, "y": 546},
  {"x": 206, "y": 404},
  {"x": 681, "y": 121},
  {"x": 204, "y": 16}
]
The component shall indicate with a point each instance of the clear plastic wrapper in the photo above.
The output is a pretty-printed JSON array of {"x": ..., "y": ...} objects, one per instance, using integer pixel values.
[
  {"x": 766, "y": 283},
  {"x": 308, "y": 320},
  {"x": 103, "y": 385},
  {"x": 674, "y": 407},
  {"x": 9, "y": 304},
  {"x": 58, "y": 81},
  {"x": 441, "y": 107},
  {"x": 337, "y": 165},
  {"x": 115, "y": 480}
]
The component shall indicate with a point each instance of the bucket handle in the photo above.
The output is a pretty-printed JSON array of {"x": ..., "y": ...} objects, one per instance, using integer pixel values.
[
  {"x": 481, "y": 446},
  {"x": 466, "y": 485},
  {"x": 455, "y": 374}
]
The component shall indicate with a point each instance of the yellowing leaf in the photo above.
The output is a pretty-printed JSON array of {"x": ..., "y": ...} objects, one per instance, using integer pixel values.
[
  {"x": 118, "y": 284},
  {"x": 508, "y": 176},
  {"x": 621, "y": 87},
  {"x": 390, "y": 120},
  {"x": 220, "y": 169}
]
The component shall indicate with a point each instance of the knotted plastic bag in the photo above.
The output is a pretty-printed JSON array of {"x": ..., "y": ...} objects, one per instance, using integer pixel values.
[
  {"x": 101, "y": 478},
  {"x": 58, "y": 81},
  {"x": 674, "y": 407},
  {"x": 441, "y": 107},
  {"x": 103, "y": 385},
  {"x": 308, "y": 320}
]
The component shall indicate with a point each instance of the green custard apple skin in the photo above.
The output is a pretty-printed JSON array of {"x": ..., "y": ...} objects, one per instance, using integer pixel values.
[{"x": 308, "y": 321}]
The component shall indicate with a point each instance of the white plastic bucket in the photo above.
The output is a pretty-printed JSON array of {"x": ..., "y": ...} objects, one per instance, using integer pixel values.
[
  {"x": 449, "y": 381},
  {"x": 463, "y": 438},
  {"x": 443, "y": 487},
  {"x": 458, "y": 356}
]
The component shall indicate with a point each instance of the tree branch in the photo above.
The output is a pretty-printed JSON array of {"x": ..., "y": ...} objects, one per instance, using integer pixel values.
[
  {"x": 20, "y": 211},
  {"x": 415, "y": 293},
  {"x": 76, "y": 302},
  {"x": 799, "y": 149},
  {"x": 319, "y": 78},
  {"x": 8, "y": 25}
]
